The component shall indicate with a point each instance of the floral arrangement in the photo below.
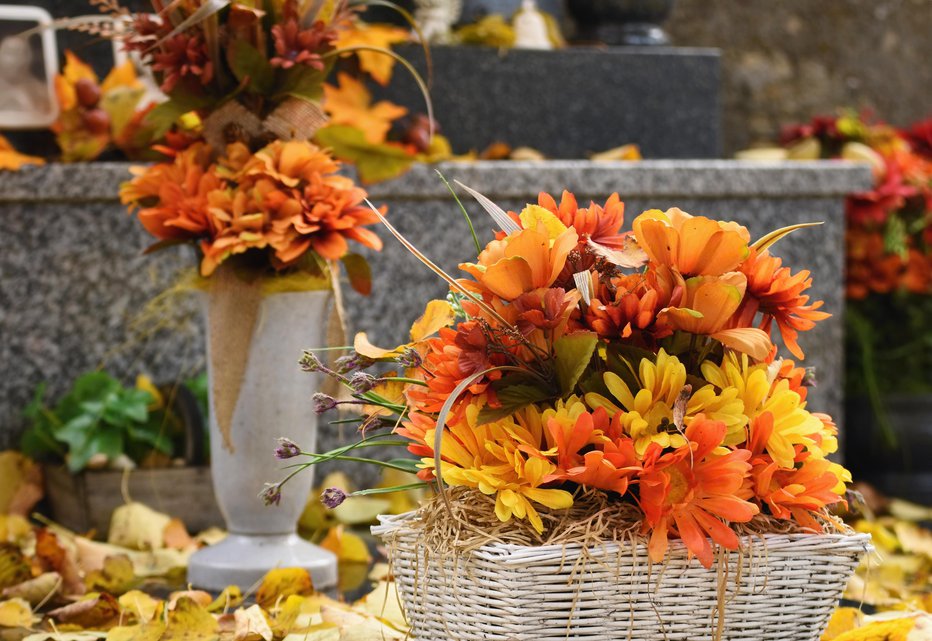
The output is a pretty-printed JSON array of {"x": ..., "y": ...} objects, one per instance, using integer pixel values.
[
  {"x": 580, "y": 361},
  {"x": 252, "y": 172},
  {"x": 889, "y": 252}
]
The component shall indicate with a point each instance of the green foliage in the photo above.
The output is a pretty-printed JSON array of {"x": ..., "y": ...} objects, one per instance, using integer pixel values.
[
  {"x": 97, "y": 416},
  {"x": 572, "y": 353},
  {"x": 251, "y": 67},
  {"x": 359, "y": 273}
]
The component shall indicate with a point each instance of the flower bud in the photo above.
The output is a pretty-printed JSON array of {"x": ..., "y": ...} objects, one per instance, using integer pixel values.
[
  {"x": 310, "y": 363},
  {"x": 409, "y": 358},
  {"x": 362, "y": 382},
  {"x": 286, "y": 449},
  {"x": 272, "y": 494},
  {"x": 323, "y": 403},
  {"x": 332, "y": 497}
]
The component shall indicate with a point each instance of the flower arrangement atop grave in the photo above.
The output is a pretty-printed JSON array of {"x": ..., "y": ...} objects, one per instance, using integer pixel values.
[
  {"x": 580, "y": 372},
  {"x": 889, "y": 253},
  {"x": 252, "y": 169}
]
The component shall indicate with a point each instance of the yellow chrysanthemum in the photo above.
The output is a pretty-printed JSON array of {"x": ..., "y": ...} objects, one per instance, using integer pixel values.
[
  {"x": 793, "y": 424},
  {"x": 648, "y": 410},
  {"x": 503, "y": 459}
]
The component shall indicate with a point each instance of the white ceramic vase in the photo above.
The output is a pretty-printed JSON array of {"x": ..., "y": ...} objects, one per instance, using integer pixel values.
[{"x": 274, "y": 400}]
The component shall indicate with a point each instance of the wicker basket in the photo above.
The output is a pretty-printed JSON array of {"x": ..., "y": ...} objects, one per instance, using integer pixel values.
[{"x": 778, "y": 587}]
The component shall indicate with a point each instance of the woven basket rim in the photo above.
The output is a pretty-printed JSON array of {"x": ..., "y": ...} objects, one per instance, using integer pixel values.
[{"x": 393, "y": 525}]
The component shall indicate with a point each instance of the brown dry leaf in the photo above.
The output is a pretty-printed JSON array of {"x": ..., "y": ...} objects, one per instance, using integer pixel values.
[
  {"x": 16, "y": 613},
  {"x": 378, "y": 65},
  {"x": 527, "y": 154},
  {"x": 230, "y": 598},
  {"x": 175, "y": 535},
  {"x": 496, "y": 151},
  {"x": 59, "y": 555},
  {"x": 93, "y": 611},
  {"x": 14, "y": 568},
  {"x": 116, "y": 577},
  {"x": 190, "y": 622},
  {"x": 282, "y": 583},
  {"x": 37, "y": 590},
  {"x": 349, "y": 103},
  {"x": 251, "y": 625},
  {"x": 138, "y": 527},
  {"x": 142, "y": 606}
]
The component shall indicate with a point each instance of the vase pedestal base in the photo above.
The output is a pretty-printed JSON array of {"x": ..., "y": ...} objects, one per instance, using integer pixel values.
[{"x": 244, "y": 559}]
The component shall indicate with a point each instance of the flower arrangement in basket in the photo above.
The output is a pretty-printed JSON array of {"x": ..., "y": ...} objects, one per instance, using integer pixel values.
[{"x": 616, "y": 434}]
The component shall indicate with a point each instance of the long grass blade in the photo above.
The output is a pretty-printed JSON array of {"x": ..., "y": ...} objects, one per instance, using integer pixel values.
[
  {"x": 437, "y": 270},
  {"x": 501, "y": 218},
  {"x": 765, "y": 242},
  {"x": 209, "y": 8},
  {"x": 472, "y": 230}
]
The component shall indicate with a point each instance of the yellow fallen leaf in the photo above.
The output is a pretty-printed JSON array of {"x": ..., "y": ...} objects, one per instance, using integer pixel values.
[
  {"x": 13, "y": 527},
  {"x": 895, "y": 630},
  {"x": 348, "y": 547},
  {"x": 20, "y": 477},
  {"x": 843, "y": 620},
  {"x": 200, "y": 597},
  {"x": 437, "y": 314},
  {"x": 59, "y": 635},
  {"x": 251, "y": 625},
  {"x": 190, "y": 622},
  {"x": 624, "y": 152},
  {"x": 914, "y": 539},
  {"x": 151, "y": 631},
  {"x": 383, "y": 602},
  {"x": 230, "y": 598},
  {"x": 358, "y": 627},
  {"x": 14, "y": 569},
  {"x": 281, "y": 583},
  {"x": 144, "y": 607},
  {"x": 138, "y": 527},
  {"x": 16, "y": 613},
  {"x": 285, "y": 615},
  {"x": 116, "y": 577},
  {"x": 319, "y": 632},
  {"x": 37, "y": 590}
]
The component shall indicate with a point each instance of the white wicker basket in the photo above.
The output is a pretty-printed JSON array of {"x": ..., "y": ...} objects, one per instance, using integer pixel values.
[{"x": 780, "y": 587}]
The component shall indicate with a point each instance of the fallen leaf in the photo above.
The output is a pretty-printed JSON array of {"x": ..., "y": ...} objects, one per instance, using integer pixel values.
[
  {"x": 285, "y": 615},
  {"x": 230, "y": 598},
  {"x": 319, "y": 632},
  {"x": 348, "y": 547},
  {"x": 14, "y": 569},
  {"x": 281, "y": 583},
  {"x": 350, "y": 103},
  {"x": 37, "y": 590},
  {"x": 624, "y": 152},
  {"x": 376, "y": 64},
  {"x": 58, "y": 635},
  {"x": 116, "y": 577},
  {"x": 843, "y": 620},
  {"x": 175, "y": 535},
  {"x": 895, "y": 630},
  {"x": 188, "y": 621},
  {"x": 13, "y": 528},
  {"x": 151, "y": 631},
  {"x": 92, "y": 611},
  {"x": 383, "y": 602},
  {"x": 527, "y": 154},
  {"x": 20, "y": 477},
  {"x": 16, "y": 613},
  {"x": 251, "y": 625},
  {"x": 138, "y": 527},
  {"x": 356, "y": 627},
  {"x": 142, "y": 606},
  {"x": 200, "y": 597}
]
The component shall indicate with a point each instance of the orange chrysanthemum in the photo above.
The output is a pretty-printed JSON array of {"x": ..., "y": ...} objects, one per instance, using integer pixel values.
[
  {"x": 600, "y": 223},
  {"x": 692, "y": 492},
  {"x": 778, "y": 295}
]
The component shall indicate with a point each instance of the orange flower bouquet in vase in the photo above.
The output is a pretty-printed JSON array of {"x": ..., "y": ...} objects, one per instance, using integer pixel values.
[
  {"x": 617, "y": 449},
  {"x": 247, "y": 181}
]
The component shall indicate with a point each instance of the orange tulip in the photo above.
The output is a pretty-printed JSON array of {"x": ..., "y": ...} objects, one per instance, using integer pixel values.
[{"x": 707, "y": 307}]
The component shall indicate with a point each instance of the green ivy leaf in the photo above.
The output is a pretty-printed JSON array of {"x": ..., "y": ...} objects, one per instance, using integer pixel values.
[
  {"x": 512, "y": 398},
  {"x": 375, "y": 162},
  {"x": 572, "y": 353}
]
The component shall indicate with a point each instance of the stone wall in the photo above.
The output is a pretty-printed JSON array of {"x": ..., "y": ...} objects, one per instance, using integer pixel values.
[{"x": 787, "y": 60}]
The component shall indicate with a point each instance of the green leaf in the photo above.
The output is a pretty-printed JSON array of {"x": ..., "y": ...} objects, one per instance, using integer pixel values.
[
  {"x": 572, "y": 353},
  {"x": 375, "y": 162},
  {"x": 405, "y": 464},
  {"x": 120, "y": 104},
  {"x": 512, "y": 398},
  {"x": 250, "y": 66},
  {"x": 359, "y": 272},
  {"x": 304, "y": 82},
  {"x": 165, "y": 115},
  {"x": 94, "y": 386},
  {"x": 895, "y": 237}
]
